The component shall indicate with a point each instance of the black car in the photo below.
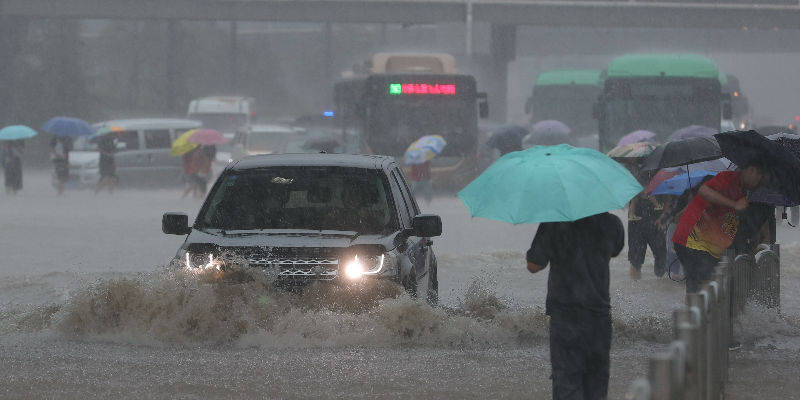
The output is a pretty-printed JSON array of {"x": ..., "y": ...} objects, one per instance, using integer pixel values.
[{"x": 314, "y": 217}]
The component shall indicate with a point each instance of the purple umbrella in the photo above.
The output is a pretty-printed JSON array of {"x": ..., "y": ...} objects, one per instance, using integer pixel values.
[
  {"x": 207, "y": 137},
  {"x": 636, "y": 137},
  {"x": 692, "y": 131},
  {"x": 551, "y": 126}
]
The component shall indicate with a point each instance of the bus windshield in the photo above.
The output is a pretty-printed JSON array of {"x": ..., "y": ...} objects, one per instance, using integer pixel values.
[
  {"x": 396, "y": 123},
  {"x": 571, "y": 105},
  {"x": 658, "y": 107}
]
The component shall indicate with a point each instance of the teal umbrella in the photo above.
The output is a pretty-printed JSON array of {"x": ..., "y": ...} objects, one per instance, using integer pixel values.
[
  {"x": 16, "y": 132},
  {"x": 549, "y": 184}
]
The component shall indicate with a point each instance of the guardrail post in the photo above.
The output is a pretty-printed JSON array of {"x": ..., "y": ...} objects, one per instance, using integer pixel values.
[
  {"x": 715, "y": 338},
  {"x": 660, "y": 376},
  {"x": 766, "y": 285},
  {"x": 686, "y": 323},
  {"x": 639, "y": 390},
  {"x": 722, "y": 277},
  {"x": 700, "y": 302}
]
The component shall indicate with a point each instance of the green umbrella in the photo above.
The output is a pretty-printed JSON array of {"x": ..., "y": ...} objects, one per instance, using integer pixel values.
[{"x": 549, "y": 184}]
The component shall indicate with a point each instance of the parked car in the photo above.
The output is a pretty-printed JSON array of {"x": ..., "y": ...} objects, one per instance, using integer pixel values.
[
  {"x": 313, "y": 217},
  {"x": 142, "y": 157}
]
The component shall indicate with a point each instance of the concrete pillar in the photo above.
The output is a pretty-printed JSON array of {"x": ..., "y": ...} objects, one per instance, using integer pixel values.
[
  {"x": 327, "y": 51},
  {"x": 175, "y": 89},
  {"x": 6, "y": 71},
  {"x": 136, "y": 67},
  {"x": 503, "y": 49},
  {"x": 233, "y": 58}
]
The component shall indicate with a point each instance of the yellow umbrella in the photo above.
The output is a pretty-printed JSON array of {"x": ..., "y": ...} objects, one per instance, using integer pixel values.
[{"x": 182, "y": 145}]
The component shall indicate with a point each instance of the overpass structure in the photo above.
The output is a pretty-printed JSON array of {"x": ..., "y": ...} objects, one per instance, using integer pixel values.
[
  {"x": 756, "y": 14},
  {"x": 504, "y": 16}
]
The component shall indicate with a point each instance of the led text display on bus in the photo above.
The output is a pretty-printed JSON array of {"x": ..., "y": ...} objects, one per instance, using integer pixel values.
[{"x": 422, "y": 88}]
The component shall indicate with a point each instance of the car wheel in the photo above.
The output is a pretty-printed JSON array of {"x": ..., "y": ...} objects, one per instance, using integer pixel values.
[{"x": 432, "y": 295}]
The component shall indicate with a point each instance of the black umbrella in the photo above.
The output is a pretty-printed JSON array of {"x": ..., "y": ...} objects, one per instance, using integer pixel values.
[
  {"x": 683, "y": 152},
  {"x": 507, "y": 138},
  {"x": 745, "y": 147}
]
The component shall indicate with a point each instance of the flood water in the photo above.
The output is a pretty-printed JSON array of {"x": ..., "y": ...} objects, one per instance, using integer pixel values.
[{"x": 87, "y": 306}]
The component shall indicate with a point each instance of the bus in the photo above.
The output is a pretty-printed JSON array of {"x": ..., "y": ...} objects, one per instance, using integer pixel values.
[
  {"x": 740, "y": 106},
  {"x": 403, "y": 97},
  {"x": 566, "y": 95},
  {"x": 660, "y": 93}
]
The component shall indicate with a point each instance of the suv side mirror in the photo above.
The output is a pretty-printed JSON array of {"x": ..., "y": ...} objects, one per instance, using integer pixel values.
[
  {"x": 426, "y": 225},
  {"x": 175, "y": 224},
  {"x": 483, "y": 105}
]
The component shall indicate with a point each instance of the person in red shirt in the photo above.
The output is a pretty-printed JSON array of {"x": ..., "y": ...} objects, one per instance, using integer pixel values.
[
  {"x": 709, "y": 223},
  {"x": 191, "y": 166}
]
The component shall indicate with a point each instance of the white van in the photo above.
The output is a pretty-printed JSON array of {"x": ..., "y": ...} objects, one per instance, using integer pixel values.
[
  {"x": 227, "y": 114},
  {"x": 142, "y": 157}
]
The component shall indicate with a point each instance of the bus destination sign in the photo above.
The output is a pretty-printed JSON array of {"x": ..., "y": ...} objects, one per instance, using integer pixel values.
[{"x": 422, "y": 88}]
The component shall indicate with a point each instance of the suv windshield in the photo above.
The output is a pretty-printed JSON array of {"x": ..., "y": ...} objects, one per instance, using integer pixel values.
[{"x": 305, "y": 198}]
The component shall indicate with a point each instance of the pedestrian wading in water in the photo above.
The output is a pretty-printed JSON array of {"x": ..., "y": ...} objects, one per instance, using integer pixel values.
[{"x": 578, "y": 300}]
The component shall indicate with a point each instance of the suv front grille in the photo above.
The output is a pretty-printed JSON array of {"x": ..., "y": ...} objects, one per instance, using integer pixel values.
[{"x": 296, "y": 268}]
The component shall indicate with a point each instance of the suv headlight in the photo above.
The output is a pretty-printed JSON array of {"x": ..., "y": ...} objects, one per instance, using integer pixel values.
[
  {"x": 359, "y": 266},
  {"x": 202, "y": 261}
]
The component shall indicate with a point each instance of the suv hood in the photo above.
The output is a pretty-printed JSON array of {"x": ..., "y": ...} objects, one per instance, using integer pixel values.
[{"x": 294, "y": 239}]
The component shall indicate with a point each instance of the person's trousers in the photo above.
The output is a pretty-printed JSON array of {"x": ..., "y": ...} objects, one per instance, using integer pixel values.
[
  {"x": 579, "y": 354},
  {"x": 645, "y": 233},
  {"x": 698, "y": 266},
  {"x": 422, "y": 189},
  {"x": 673, "y": 265}
]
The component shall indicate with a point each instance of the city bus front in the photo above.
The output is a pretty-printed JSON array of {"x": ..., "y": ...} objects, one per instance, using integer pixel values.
[
  {"x": 402, "y": 108},
  {"x": 658, "y": 104}
]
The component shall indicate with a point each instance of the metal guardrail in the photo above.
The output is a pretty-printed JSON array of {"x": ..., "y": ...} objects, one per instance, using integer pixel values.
[{"x": 695, "y": 365}]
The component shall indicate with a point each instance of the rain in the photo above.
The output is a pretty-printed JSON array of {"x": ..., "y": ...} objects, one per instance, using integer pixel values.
[{"x": 399, "y": 198}]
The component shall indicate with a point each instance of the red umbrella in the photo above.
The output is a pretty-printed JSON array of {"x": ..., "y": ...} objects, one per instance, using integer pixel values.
[
  {"x": 207, "y": 137},
  {"x": 660, "y": 176}
]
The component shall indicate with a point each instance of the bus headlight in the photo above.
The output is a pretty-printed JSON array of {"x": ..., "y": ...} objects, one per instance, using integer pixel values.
[{"x": 364, "y": 265}]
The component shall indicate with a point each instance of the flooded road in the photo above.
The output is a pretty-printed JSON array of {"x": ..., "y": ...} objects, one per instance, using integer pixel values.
[{"x": 97, "y": 312}]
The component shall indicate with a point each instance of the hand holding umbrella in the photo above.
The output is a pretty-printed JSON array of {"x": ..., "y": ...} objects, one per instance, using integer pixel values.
[{"x": 744, "y": 148}]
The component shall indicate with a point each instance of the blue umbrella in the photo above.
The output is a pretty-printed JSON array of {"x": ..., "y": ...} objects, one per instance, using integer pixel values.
[
  {"x": 16, "y": 132},
  {"x": 67, "y": 126},
  {"x": 678, "y": 184},
  {"x": 549, "y": 184}
]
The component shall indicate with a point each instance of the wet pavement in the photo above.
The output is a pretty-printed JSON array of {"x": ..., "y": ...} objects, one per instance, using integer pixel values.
[{"x": 86, "y": 307}]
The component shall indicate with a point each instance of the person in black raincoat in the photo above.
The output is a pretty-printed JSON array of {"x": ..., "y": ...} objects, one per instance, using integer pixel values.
[
  {"x": 11, "y": 154},
  {"x": 578, "y": 300}
]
